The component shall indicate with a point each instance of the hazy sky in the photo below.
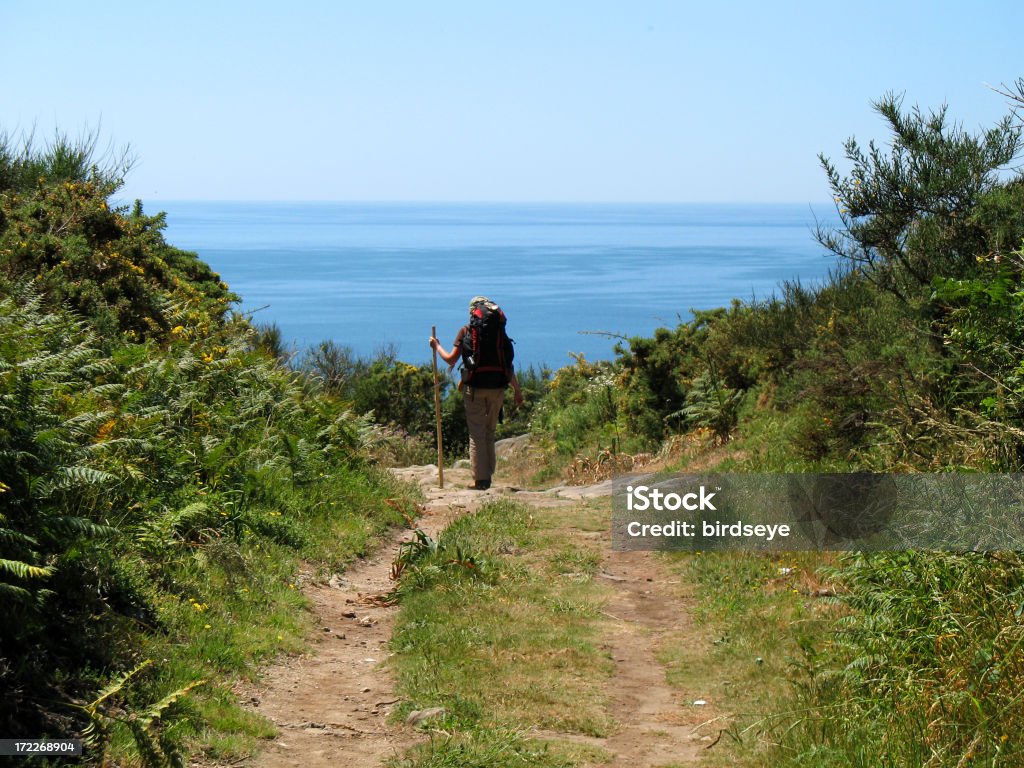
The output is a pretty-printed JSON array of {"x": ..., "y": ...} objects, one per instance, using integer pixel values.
[{"x": 446, "y": 100}]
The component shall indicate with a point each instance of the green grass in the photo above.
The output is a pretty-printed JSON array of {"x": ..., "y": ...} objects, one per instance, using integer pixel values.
[
  {"x": 916, "y": 661},
  {"x": 227, "y": 607},
  {"x": 497, "y": 748},
  {"x": 755, "y": 614},
  {"x": 506, "y": 647}
]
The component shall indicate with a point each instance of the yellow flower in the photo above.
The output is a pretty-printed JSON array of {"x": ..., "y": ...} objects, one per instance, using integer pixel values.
[{"x": 177, "y": 329}]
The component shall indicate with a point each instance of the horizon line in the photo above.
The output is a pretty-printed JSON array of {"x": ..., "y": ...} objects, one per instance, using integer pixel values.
[{"x": 421, "y": 201}]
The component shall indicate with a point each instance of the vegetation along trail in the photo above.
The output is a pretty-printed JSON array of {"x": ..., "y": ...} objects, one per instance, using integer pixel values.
[
  {"x": 167, "y": 468},
  {"x": 574, "y": 678}
]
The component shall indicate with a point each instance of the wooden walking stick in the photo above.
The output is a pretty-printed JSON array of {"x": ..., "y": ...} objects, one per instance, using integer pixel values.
[{"x": 437, "y": 410}]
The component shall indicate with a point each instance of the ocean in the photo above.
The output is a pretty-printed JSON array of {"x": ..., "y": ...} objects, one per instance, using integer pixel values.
[{"x": 572, "y": 278}]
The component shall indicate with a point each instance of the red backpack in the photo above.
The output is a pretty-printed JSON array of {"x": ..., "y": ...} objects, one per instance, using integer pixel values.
[{"x": 486, "y": 347}]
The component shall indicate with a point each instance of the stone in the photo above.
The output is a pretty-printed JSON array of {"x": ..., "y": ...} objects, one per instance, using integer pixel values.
[{"x": 419, "y": 716}]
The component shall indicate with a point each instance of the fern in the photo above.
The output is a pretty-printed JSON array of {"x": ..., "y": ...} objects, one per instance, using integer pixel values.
[
  {"x": 11, "y": 594},
  {"x": 113, "y": 390},
  {"x": 101, "y": 367},
  {"x": 75, "y": 477},
  {"x": 159, "y": 709},
  {"x": 22, "y": 570},
  {"x": 154, "y": 750},
  {"x": 115, "y": 686},
  {"x": 9, "y": 536},
  {"x": 68, "y": 526},
  {"x": 86, "y": 424},
  {"x": 165, "y": 530}
]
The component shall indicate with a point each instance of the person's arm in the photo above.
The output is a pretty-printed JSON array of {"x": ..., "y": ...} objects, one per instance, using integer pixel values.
[
  {"x": 516, "y": 391},
  {"x": 449, "y": 357}
]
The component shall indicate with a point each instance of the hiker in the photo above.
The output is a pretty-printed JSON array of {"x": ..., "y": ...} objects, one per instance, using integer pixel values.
[{"x": 487, "y": 354}]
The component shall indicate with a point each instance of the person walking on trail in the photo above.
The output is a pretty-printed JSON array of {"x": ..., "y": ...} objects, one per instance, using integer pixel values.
[{"x": 487, "y": 353}]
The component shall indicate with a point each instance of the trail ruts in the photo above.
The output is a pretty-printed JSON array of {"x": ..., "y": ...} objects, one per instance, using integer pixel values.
[{"x": 332, "y": 705}]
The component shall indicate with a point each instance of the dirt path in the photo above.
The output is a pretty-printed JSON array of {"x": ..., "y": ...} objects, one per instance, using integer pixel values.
[
  {"x": 657, "y": 726},
  {"x": 332, "y": 706}
]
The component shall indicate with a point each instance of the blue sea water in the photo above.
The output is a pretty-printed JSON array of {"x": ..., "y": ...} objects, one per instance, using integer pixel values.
[{"x": 372, "y": 274}]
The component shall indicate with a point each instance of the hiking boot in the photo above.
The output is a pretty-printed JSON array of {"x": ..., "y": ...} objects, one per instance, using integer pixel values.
[{"x": 481, "y": 485}]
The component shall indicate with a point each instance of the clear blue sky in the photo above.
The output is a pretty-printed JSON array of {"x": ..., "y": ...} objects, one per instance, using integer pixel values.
[{"x": 444, "y": 100}]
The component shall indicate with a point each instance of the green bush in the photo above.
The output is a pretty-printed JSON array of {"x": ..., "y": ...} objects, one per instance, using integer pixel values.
[
  {"x": 907, "y": 212},
  {"x": 161, "y": 473},
  {"x": 924, "y": 667}
]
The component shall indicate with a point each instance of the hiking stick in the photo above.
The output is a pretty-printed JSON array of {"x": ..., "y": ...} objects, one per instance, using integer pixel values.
[{"x": 437, "y": 410}]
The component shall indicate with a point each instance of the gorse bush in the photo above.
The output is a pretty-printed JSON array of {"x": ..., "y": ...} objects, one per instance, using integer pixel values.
[
  {"x": 907, "y": 359},
  {"x": 908, "y": 355},
  {"x": 924, "y": 667},
  {"x": 63, "y": 159},
  {"x": 399, "y": 398},
  {"x": 110, "y": 265},
  {"x": 907, "y": 211},
  {"x": 160, "y": 472},
  {"x": 580, "y": 407}
]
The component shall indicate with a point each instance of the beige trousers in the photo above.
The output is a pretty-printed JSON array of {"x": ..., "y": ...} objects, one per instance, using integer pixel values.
[{"x": 482, "y": 409}]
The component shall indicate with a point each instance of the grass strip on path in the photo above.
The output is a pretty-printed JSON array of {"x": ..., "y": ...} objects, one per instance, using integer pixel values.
[
  {"x": 500, "y": 627},
  {"x": 759, "y": 619}
]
